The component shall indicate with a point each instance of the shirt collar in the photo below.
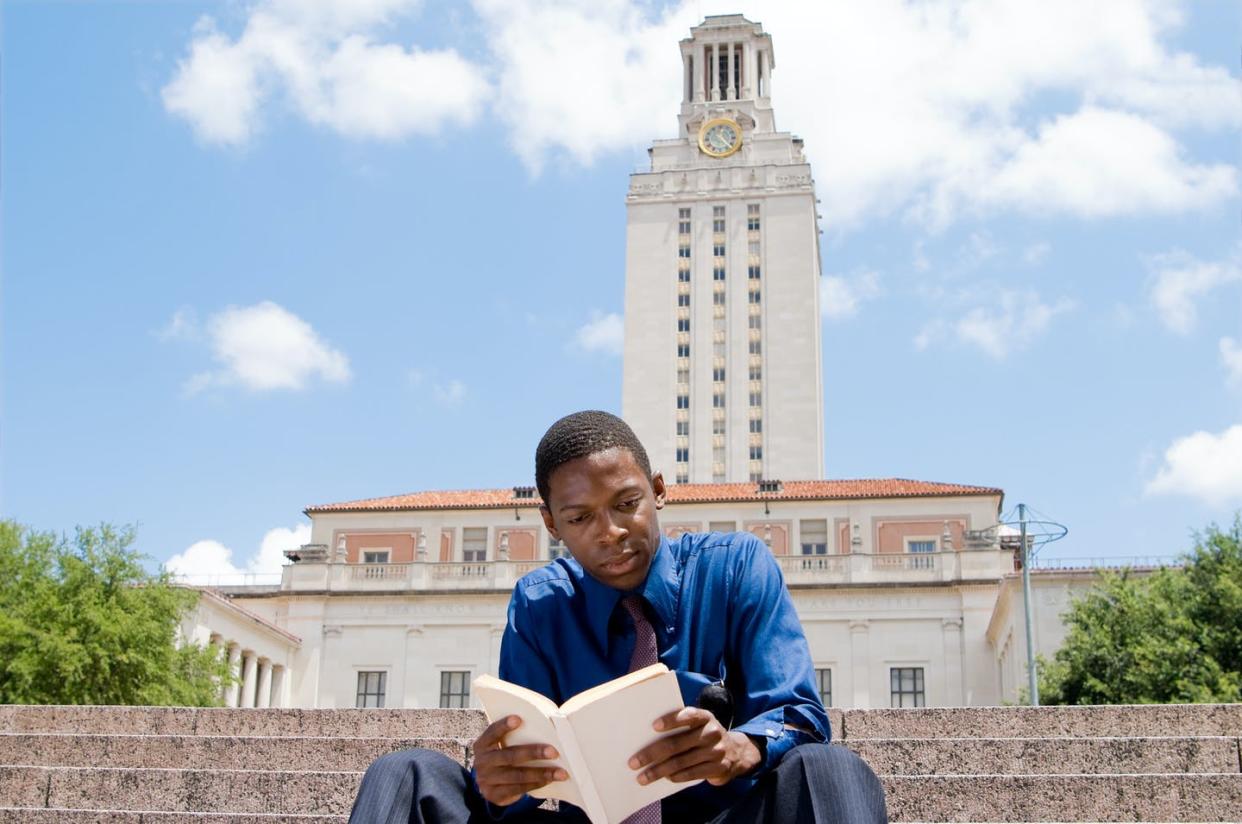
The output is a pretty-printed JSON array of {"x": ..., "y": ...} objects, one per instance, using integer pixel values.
[{"x": 660, "y": 589}]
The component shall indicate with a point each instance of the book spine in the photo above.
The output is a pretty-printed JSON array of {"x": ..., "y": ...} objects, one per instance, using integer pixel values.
[{"x": 578, "y": 771}]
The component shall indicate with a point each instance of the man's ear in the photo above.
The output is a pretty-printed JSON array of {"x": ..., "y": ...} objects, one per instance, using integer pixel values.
[
  {"x": 657, "y": 486},
  {"x": 547, "y": 521}
]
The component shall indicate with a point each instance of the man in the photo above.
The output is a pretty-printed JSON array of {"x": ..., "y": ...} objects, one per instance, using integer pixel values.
[{"x": 714, "y": 608}]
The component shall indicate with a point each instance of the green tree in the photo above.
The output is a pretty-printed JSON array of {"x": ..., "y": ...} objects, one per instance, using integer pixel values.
[
  {"x": 83, "y": 622},
  {"x": 1172, "y": 636}
]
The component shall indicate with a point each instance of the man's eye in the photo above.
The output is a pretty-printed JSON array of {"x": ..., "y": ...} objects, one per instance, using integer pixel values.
[
  {"x": 628, "y": 504},
  {"x": 577, "y": 519}
]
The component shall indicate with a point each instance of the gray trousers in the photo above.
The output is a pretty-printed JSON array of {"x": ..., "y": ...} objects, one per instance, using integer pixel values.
[{"x": 821, "y": 783}]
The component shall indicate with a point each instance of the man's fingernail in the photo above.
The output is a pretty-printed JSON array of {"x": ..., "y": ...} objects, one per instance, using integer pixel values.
[
  {"x": 634, "y": 763},
  {"x": 643, "y": 778},
  {"x": 659, "y": 724},
  {"x": 548, "y": 752},
  {"x": 561, "y": 775},
  {"x": 512, "y": 721}
]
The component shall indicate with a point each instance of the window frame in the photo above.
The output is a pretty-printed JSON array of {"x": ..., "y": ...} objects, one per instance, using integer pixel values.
[
  {"x": 363, "y": 693},
  {"x": 447, "y": 695}
]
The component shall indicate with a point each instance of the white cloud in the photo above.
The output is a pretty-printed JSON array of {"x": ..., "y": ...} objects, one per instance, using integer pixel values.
[
  {"x": 841, "y": 295},
  {"x": 321, "y": 58},
  {"x": 1180, "y": 279},
  {"x": 602, "y": 333},
  {"x": 451, "y": 393},
  {"x": 1036, "y": 252},
  {"x": 1011, "y": 322},
  {"x": 1231, "y": 357},
  {"x": 930, "y": 109},
  {"x": 183, "y": 325},
  {"x": 1203, "y": 465},
  {"x": 265, "y": 347},
  {"x": 212, "y": 560}
]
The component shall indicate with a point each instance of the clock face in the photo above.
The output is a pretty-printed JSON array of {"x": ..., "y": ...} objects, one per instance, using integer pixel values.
[{"x": 720, "y": 138}]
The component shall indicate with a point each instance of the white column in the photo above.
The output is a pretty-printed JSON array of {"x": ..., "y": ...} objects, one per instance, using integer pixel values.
[
  {"x": 687, "y": 83},
  {"x": 715, "y": 71},
  {"x": 264, "y": 699},
  {"x": 860, "y": 672},
  {"x": 732, "y": 89},
  {"x": 765, "y": 73},
  {"x": 748, "y": 70},
  {"x": 248, "y": 678},
  {"x": 952, "y": 662},
  {"x": 231, "y": 691},
  {"x": 278, "y": 686},
  {"x": 700, "y": 68}
]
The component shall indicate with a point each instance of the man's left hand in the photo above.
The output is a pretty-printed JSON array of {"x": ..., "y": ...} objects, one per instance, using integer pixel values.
[{"x": 702, "y": 749}]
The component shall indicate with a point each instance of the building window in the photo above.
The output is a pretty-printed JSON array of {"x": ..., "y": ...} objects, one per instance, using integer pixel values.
[
  {"x": 823, "y": 680},
  {"x": 371, "y": 689},
  {"x": 683, "y": 324},
  {"x": 556, "y": 548},
  {"x": 683, "y": 454},
  {"x": 718, "y": 374},
  {"x": 753, "y": 248},
  {"x": 814, "y": 536},
  {"x": 683, "y": 478},
  {"x": 752, "y": 217},
  {"x": 756, "y": 373},
  {"x": 375, "y": 556},
  {"x": 752, "y": 271},
  {"x": 683, "y": 375},
  {"x": 683, "y": 300},
  {"x": 924, "y": 548},
  {"x": 718, "y": 219},
  {"x": 755, "y": 348},
  {"x": 756, "y": 476},
  {"x": 718, "y": 400},
  {"x": 683, "y": 251},
  {"x": 718, "y": 426},
  {"x": 756, "y": 425},
  {"x": 718, "y": 299},
  {"x": 683, "y": 427},
  {"x": 718, "y": 250},
  {"x": 683, "y": 401},
  {"x": 683, "y": 221},
  {"x": 454, "y": 689},
  {"x": 683, "y": 275},
  {"x": 906, "y": 687},
  {"x": 754, "y": 295},
  {"x": 474, "y": 544},
  {"x": 718, "y": 273},
  {"x": 722, "y": 526},
  {"x": 753, "y": 322},
  {"x": 756, "y": 399},
  {"x": 683, "y": 350},
  {"x": 756, "y": 453}
]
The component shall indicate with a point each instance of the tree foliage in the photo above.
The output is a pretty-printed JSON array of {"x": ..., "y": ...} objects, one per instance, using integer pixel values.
[
  {"x": 83, "y": 622},
  {"x": 1169, "y": 637}
]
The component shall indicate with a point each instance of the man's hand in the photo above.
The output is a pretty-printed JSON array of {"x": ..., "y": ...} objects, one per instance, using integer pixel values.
[
  {"x": 703, "y": 749},
  {"x": 504, "y": 774}
]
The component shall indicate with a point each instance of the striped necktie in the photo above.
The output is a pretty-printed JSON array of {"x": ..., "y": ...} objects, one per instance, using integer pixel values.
[{"x": 645, "y": 654}]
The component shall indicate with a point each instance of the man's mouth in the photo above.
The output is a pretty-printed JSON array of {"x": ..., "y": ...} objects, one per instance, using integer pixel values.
[{"x": 621, "y": 562}]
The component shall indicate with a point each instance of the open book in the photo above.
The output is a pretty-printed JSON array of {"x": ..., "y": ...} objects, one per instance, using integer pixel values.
[{"x": 595, "y": 733}]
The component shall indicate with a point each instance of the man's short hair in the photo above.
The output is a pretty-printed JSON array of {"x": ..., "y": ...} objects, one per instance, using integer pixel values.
[{"x": 582, "y": 434}]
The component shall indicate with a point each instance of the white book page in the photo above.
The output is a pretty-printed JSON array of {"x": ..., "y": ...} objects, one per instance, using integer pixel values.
[
  {"x": 612, "y": 729},
  {"x": 499, "y": 699}
]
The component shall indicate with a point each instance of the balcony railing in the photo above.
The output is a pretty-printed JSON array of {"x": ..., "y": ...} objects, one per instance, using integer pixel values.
[{"x": 799, "y": 570}]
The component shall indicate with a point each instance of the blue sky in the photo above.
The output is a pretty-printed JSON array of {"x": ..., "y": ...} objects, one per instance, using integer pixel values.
[{"x": 260, "y": 255}]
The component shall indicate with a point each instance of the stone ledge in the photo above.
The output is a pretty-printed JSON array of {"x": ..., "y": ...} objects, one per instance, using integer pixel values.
[
  {"x": 60, "y": 815},
  {"x": 1121, "y": 721}
]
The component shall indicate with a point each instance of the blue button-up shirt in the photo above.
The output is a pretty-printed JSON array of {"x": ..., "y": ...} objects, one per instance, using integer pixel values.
[{"x": 721, "y": 613}]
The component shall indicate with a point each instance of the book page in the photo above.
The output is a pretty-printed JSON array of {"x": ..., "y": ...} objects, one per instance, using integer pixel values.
[
  {"x": 500, "y": 698},
  {"x": 616, "y": 725}
]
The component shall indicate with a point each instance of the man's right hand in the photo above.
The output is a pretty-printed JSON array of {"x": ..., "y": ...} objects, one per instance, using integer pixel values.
[{"x": 504, "y": 774}]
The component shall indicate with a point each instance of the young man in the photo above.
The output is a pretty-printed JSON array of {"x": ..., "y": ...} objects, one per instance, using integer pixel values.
[{"x": 714, "y": 608}]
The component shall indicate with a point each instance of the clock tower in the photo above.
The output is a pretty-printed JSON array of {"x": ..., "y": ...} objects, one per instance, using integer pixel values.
[{"x": 722, "y": 372}]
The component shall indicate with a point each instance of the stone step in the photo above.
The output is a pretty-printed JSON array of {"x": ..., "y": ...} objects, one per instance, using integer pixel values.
[
  {"x": 211, "y": 751},
  {"x": 1046, "y": 722},
  {"x": 60, "y": 815},
  {"x": 349, "y": 723},
  {"x": 1048, "y": 756},
  {"x": 1013, "y": 798},
  {"x": 1010, "y": 798},
  {"x": 902, "y": 756}
]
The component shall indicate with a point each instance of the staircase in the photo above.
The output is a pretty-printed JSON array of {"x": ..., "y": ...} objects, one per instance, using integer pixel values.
[{"x": 134, "y": 765}]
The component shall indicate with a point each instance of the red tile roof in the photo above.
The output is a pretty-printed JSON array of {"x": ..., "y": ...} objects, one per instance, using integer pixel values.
[{"x": 677, "y": 494}]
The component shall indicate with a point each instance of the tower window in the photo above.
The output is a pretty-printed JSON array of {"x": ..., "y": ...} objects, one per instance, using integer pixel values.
[
  {"x": 718, "y": 374},
  {"x": 752, "y": 217},
  {"x": 756, "y": 373},
  {"x": 718, "y": 250},
  {"x": 683, "y": 401},
  {"x": 683, "y": 251},
  {"x": 683, "y": 221},
  {"x": 754, "y": 296},
  {"x": 683, "y": 324},
  {"x": 752, "y": 271},
  {"x": 683, "y": 275},
  {"x": 756, "y": 399},
  {"x": 718, "y": 219},
  {"x": 683, "y": 427},
  {"x": 718, "y": 400},
  {"x": 683, "y": 350},
  {"x": 756, "y": 347},
  {"x": 718, "y": 273},
  {"x": 753, "y": 322},
  {"x": 683, "y": 300},
  {"x": 718, "y": 298},
  {"x": 756, "y": 425},
  {"x": 756, "y": 453},
  {"x": 683, "y": 454}
]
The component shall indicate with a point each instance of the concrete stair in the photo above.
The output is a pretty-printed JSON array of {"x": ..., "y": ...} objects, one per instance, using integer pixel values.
[{"x": 131, "y": 765}]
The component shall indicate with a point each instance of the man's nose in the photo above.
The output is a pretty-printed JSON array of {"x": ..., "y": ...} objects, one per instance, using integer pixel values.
[{"x": 612, "y": 532}]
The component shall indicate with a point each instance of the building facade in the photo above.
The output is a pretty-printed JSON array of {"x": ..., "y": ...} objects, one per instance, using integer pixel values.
[{"x": 722, "y": 374}]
